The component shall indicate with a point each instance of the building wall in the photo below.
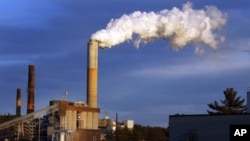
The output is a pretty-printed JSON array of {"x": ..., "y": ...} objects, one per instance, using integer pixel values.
[
  {"x": 87, "y": 135},
  {"x": 203, "y": 127},
  {"x": 77, "y": 118},
  {"x": 129, "y": 124},
  {"x": 248, "y": 99}
]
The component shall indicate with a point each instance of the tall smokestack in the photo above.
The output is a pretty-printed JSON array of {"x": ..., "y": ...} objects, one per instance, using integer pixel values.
[
  {"x": 92, "y": 73},
  {"x": 31, "y": 89},
  {"x": 18, "y": 102}
]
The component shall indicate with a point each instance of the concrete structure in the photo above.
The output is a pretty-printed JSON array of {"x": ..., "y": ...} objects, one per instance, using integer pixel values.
[
  {"x": 129, "y": 124},
  {"x": 31, "y": 89},
  {"x": 92, "y": 73},
  {"x": 60, "y": 121},
  {"x": 204, "y": 127},
  {"x": 76, "y": 119},
  {"x": 18, "y": 102}
]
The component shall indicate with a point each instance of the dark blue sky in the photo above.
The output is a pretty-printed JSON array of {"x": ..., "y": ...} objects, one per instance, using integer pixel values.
[{"x": 146, "y": 84}]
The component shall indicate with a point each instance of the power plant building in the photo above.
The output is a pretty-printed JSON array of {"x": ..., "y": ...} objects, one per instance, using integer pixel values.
[
  {"x": 78, "y": 118},
  {"x": 61, "y": 120},
  {"x": 75, "y": 120}
]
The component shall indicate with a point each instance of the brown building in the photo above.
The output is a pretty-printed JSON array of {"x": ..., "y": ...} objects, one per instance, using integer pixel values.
[{"x": 73, "y": 120}]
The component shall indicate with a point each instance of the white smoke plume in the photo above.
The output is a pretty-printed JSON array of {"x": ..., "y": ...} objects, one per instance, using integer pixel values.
[{"x": 179, "y": 26}]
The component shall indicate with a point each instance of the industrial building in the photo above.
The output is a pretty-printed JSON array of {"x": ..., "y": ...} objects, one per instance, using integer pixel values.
[
  {"x": 61, "y": 120},
  {"x": 206, "y": 127},
  {"x": 74, "y": 121},
  {"x": 107, "y": 125}
]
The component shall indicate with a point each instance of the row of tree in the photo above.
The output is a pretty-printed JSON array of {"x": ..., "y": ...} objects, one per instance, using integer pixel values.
[{"x": 138, "y": 133}]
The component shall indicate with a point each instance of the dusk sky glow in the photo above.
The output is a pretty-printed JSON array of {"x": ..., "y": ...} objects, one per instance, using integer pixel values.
[{"x": 145, "y": 84}]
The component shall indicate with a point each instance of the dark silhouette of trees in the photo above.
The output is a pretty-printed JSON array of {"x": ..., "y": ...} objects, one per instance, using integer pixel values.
[
  {"x": 138, "y": 133},
  {"x": 4, "y": 118},
  {"x": 231, "y": 104}
]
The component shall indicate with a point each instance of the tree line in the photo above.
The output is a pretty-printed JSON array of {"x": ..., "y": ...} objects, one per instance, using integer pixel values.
[{"x": 138, "y": 133}]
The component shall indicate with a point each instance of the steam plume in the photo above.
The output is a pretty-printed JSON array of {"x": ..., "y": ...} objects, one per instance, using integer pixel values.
[{"x": 180, "y": 27}]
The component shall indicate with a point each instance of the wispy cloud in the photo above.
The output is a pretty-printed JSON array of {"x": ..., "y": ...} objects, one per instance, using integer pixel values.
[
  {"x": 194, "y": 68},
  {"x": 181, "y": 109}
]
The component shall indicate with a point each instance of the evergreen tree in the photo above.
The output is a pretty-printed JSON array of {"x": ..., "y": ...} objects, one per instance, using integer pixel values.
[{"x": 231, "y": 104}]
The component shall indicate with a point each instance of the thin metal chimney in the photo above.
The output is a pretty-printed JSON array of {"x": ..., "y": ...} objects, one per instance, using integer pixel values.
[
  {"x": 92, "y": 73},
  {"x": 31, "y": 89},
  {"x": 18, "y": 102}
]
